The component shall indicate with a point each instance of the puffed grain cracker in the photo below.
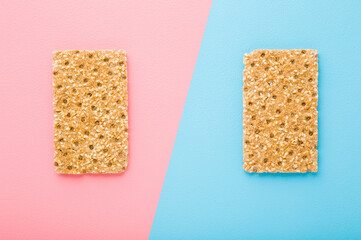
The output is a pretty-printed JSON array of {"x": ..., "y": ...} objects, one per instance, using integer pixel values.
[
  {"x": 280, "y": 111},
  {"x": 90, "y": 100}
]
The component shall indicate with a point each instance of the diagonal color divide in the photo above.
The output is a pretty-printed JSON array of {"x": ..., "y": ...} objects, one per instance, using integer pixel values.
[
  {"x": 206, "y": 193},
  {"x": 162, "y": 39}
]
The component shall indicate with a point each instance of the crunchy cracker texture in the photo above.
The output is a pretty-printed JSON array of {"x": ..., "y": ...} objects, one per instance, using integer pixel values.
[
  {"x": 91, "y": 111},
  {"x": 280, "y": 111}
]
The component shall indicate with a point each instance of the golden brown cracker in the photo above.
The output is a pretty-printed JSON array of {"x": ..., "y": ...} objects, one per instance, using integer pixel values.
[
  {"x": 280, "y": 111},
  {"x": 91, "y": 111}
]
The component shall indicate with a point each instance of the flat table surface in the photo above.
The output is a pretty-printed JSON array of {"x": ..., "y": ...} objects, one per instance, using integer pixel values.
[
  {"x": 206, "y": 193},
  {"x": 185, "y": 63}
]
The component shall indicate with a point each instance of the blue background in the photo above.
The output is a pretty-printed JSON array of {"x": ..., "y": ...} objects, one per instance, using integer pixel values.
[{"x": 206, "y": 193}]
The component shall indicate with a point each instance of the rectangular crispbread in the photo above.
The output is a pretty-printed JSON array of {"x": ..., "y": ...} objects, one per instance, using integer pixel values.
[
  {"x": 91, "y": 111},
  {"x": 280, "y": 111}
]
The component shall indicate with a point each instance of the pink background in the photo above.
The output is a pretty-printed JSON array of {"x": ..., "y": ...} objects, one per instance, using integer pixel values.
[{"x": 162, "y": 39}]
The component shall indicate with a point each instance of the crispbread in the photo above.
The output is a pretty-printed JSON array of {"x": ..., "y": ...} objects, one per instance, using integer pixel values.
[
  {"x": 280, "y": 111},
  {"x": 91, "y": 111}
]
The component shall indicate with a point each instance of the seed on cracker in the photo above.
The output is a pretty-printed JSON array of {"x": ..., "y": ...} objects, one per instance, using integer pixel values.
[
  {"x": 90, "y": 111},
  {"x": 280, "y": 111}
]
